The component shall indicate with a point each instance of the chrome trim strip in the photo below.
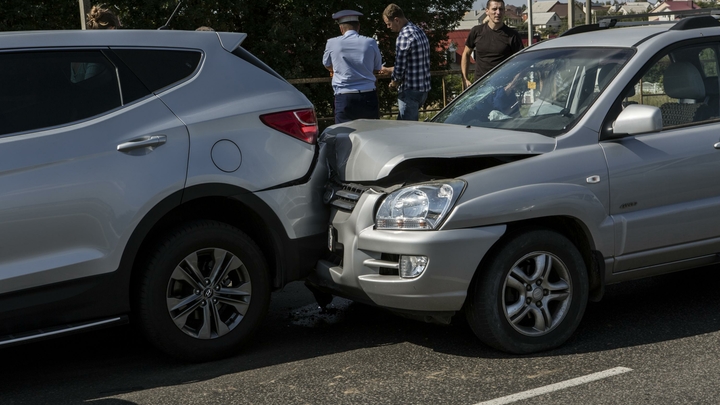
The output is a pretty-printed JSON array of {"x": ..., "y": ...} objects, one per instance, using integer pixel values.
[
  {"x": 381, "y": 263},
  {"x": 60, "y": 331}
]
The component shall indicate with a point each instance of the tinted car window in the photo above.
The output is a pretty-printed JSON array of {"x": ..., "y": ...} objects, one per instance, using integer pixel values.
[
  {"x": 159, "y": 68},
  {"x": 43, "y": 89},
  {"x": 132, "y": 88}
]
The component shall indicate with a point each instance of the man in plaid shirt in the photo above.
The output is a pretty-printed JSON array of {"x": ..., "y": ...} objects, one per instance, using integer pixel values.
[{"x": 411, "y": 74}]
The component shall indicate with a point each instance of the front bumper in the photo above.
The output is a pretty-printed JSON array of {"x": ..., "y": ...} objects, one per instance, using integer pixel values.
[{"x": 453, "y": 258}]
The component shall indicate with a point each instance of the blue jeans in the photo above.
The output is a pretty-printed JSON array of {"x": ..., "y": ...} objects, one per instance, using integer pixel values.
[{"x": 409, "y": 102}]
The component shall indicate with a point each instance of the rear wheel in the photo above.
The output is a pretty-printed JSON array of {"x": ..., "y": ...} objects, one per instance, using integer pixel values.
[
  {"x": 531, "y": 294},
  {"x": 203, "y": 292}
]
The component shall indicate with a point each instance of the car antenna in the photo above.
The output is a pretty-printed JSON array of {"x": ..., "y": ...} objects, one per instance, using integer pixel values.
[{"x": 165, "y": 27}]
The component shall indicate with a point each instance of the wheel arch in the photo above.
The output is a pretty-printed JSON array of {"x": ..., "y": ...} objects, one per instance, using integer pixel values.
[
  {"x": 223, "y": 203},
  {"x": 572, "y": 228}
]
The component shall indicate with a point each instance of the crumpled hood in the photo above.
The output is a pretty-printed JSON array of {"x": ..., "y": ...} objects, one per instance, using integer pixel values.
[{"x": 368, "y": 150}]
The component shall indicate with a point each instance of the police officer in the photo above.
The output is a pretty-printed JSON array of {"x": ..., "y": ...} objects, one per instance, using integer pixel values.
[{"x": 353, "y": 60}]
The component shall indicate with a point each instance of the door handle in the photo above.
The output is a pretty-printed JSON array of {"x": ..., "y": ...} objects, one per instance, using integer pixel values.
[
  {"x": 144, "y": 142},
  {"x": 717, "y": 145}
]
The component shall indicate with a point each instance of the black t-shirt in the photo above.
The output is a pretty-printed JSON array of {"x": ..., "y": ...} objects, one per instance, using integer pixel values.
[{"x": 492, "y": 46}]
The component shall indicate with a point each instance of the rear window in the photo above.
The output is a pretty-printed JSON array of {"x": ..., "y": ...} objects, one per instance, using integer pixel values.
[{"x": 158, "y": 68}]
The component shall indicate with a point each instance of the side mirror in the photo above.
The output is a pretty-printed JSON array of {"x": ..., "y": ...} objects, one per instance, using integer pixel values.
[{"x": 637, "y": 119}]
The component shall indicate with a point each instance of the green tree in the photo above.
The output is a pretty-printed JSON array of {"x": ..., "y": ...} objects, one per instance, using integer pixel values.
[{"x": 23, "y": 15}]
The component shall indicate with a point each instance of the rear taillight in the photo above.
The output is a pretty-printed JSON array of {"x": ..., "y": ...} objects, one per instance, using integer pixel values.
[{"x": 300, "y": 124}]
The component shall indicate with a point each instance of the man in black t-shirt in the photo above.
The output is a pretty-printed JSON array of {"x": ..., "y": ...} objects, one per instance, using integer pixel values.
[{"x": 493, "y": 42}]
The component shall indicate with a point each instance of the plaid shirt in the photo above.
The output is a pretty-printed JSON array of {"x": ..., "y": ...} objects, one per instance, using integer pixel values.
[{"x": 412, "y": 59}]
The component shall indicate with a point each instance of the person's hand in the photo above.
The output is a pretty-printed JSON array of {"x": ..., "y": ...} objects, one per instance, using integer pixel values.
[
  {"x": 515, "y": 82},
  {"x": 393, "y": 85},
  {"x": 386, "y": 70},
  {"x": 466, "y": 82}
]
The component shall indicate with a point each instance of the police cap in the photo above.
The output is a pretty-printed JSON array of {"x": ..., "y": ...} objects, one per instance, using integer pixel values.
[{"x": 346, "y": 16}]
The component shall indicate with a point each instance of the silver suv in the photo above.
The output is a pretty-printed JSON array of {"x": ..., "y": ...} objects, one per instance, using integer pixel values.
[
  {"x": 164, "y": 177},
  {"x": 582, "y": 161}
]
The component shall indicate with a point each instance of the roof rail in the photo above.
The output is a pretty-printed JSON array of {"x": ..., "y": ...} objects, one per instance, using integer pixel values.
[
  {"x": 696, "y": 22},
  {"x": 689, "y": 19}
]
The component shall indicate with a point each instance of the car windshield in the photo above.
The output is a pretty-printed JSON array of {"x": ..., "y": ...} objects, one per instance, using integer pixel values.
[{"x": 544, "y": 91}]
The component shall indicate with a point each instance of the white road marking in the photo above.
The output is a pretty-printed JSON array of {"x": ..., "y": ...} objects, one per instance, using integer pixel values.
[{"x": 556, "y": 387}]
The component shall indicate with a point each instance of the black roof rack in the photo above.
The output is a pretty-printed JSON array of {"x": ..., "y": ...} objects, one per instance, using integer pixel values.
[
  {"x": 690, "y": 19},
  {"x": 696, "y": 22}
]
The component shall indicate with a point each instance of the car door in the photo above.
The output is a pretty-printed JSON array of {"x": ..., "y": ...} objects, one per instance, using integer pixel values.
[
  {"x": 664, "y": 199},
  {"x": 82, "y": 159}
]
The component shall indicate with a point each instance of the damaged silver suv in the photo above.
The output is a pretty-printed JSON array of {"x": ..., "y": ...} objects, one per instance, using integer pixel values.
[{"x": 582, "y": 161}]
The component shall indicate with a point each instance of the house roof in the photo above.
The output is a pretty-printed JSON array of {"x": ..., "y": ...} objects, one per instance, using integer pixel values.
[
  {"x": 458, "y": 38},
  {"x": 513, "y": 12},
  {"x": 562, "y": 10},
  {"x": 636, "y": 7},
  {"x": 543, "y": 6},
  {"x": 670, "y": 5},
  {"x": 543, "y": 18}
]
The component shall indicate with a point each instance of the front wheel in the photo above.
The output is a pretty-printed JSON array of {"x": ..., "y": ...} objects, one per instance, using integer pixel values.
[
  {"x": 530, "y": 295},
  {"x": 203, "y": 292}
]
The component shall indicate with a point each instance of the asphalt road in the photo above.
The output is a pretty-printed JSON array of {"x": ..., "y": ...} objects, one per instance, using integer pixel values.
[{"x": 653, "y": 341}]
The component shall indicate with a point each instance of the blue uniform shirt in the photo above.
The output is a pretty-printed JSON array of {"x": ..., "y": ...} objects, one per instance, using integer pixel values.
[{"x": 353, "y": 58}]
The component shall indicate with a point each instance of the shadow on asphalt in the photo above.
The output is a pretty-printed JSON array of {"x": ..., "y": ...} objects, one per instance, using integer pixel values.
[{"x": 97, "y": 365}]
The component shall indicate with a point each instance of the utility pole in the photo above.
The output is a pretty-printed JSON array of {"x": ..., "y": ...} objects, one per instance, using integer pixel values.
[
  {"x": 588, "y": 11},
  {"x": 529, "y": 23},
  {"x": 84, "y": 9}
]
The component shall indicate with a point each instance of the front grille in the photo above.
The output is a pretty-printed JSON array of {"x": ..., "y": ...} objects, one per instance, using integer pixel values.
[{"x": 346, "y": 195}]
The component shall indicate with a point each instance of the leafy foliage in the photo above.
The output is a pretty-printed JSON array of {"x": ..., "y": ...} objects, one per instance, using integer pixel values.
[
  {"x": 22, "y": 15},
  {"x": 288, "y": 35}
]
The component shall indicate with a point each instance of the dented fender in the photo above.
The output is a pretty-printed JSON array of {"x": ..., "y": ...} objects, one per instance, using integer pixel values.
[{"x": 537, "y": 201}]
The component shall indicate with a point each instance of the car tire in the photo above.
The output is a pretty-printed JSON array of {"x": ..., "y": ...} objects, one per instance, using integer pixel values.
[
  {"x": 530, "y": 294},
  {"x": 194, "y": 309}
]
